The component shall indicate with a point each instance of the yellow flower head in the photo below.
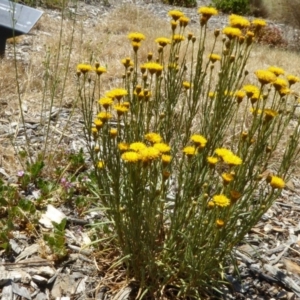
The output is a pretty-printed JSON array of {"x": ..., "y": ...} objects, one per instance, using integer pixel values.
[
  {"x": 212, "y": 160},
  {"x": 136, "y": 37},
  {"x": 137, "y": 146},
  {"x": 175, "y": 14},
  {"x": 199, "y": 140},
  {"x": 183, "y": 21},
  {"x": 277, "y": 71},
  {"x": 292, "y": 79},
  {"x": 131, "y": 157},
  {"x": 104, "y": 116},
  {"x": 232, "y": 32},
  {"x": 284, "y": 91},
  {"x": 212, "y": 95},
  {"x": 186, "y": 85},
  {"x": 238, "y": 21},
  {"x": 117, "y": 93},
  {"x": 100, "y": 164},
  {"x": 227, "y": 177},
  {"x": 127, "y": 62},
  {"x": 98, "y": 123},
  {"x": 232, "y": 160},
  {"x": 239, "y": 95},
  {"x": 258, "y": 23},
  {"x": 153, "y": 137},
  {"x": 153, "y": 67},
  {"x": 251, "y": 90},
  {"x": 280, "y": 83},
  {"x": 106, "y": 102},
  {"x": 166, "y": 159},
  {"x": 162, "y": 41},
  {"x": 136, "y": 46},
  {"x": 270, "y": 114},
  {"x": 220, "y": 223},
  {"x": 265, "y": 77},
  {"x": 113, "y": 132},
  {"x": 276, "y": 182},
  {"x": 149, "y": 154},
  {"x": 121, "y": 109},
  {"x": 190, "y": 151},
  {"x": 123, "y": 146},
  {"x": 235, "y": 195},
  {"x": 222, "y": 152},
  {"x": 162, "y": 147},
  {"x": 207, "y": 12},
  {"x": 221, "y": 200},
  {"x": 100, "y": 70},
  {"x": 214, "y": 57},
  {"x": 177, "y": 38},
  {"x": 84, "y": 68}
]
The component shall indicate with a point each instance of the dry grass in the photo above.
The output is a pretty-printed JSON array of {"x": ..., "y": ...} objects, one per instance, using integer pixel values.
[{"x": 107, "y": 43}]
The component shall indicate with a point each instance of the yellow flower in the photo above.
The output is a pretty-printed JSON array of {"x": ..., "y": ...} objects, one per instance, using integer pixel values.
[
  {"x": 104, "y": 116},
  {"x": 221, "y": 200},
  {"x": 106, "y": 102},
  {"x": 239, "y": 96},
  {"x": 123, "y": 146},
  {"x": 238, "y": 21},
  {"x": 251, "y": 90},
  {"x": 136, "y": 37},
  {"x": 149, "y": 154},
  {"x": 212, "y": 160},
  {"x": 207, "y": 11},
  {"x": 127, "y": 62},
  {"x": 130, "y": 157},
  {"x": 199, "y": 140},
  {"x": 280, "y": 83},
  {"x": 183, "y": 21},
  {"x": 189, "y": 151},
  {"x": 292, "y": 79},
  {"x": 162, "y": 147},
  {"x": 177, "y": 38},
  {"x": 175, "y": 14},
  {"x": 276, "y": 182},
  {"x": 214, "y": 57},
  {"x": 227, "y": 178},
  {"x": 113, "y": 132},
  {"x": 153, "y": 137},
  {"x": 135, "y": 46},
  {"x": 220, "y": 223},
  {"x": 137, "y": 146},
  {"x": 277, "y": 71},
  {"x": 232, "y": 160},
  {"x": 121, "y": 109},
  {"x": 265, "y": 77},
  {"x": 234, "y": 195},
  {"x": 153, "y": 67},
  {"x": 212, "y": 95},
  {"x": 117, "y": 93},
  {"x": 231, "y": 32},
  {"x": 100, "y": 164},
  {"x": 259, "y": 23},
  {"x": 166, "y": 159},
  {"x": 100, "y": 70},
  {"x": 186, "y": 85},
  {"x": 98, "y": 123},
  {"x": 270, "y": 114},
  {"x": 222, "y": 152},
  {"x": 210, "y": 204},
  {"x": 162, "y": 41},
  {"x": 84, "y": 68},
  {"x": 284, "y": 92}
]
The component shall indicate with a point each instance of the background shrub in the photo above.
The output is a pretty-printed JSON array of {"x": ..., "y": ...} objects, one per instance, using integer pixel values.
[
  {"x": 233, "y": 6},
  {"x": 186, "y": 3}
]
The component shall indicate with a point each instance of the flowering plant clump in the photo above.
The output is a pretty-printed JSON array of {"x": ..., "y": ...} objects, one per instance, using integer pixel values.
[{"x": 168, "y": 125}]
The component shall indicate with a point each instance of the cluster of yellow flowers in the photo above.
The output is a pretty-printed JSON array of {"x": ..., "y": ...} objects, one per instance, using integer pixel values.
[
  {"x": 153, "y": 149},
  {"x": 85, "y": 68}
]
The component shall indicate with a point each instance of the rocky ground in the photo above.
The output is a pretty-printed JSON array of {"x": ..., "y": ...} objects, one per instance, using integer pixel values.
[{"x": 268, "y": 262}]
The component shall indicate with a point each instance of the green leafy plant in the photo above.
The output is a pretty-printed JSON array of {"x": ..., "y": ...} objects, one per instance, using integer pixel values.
[
  {"x": 233, "y": 6},
  {"x": 190, "y": 161}
]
